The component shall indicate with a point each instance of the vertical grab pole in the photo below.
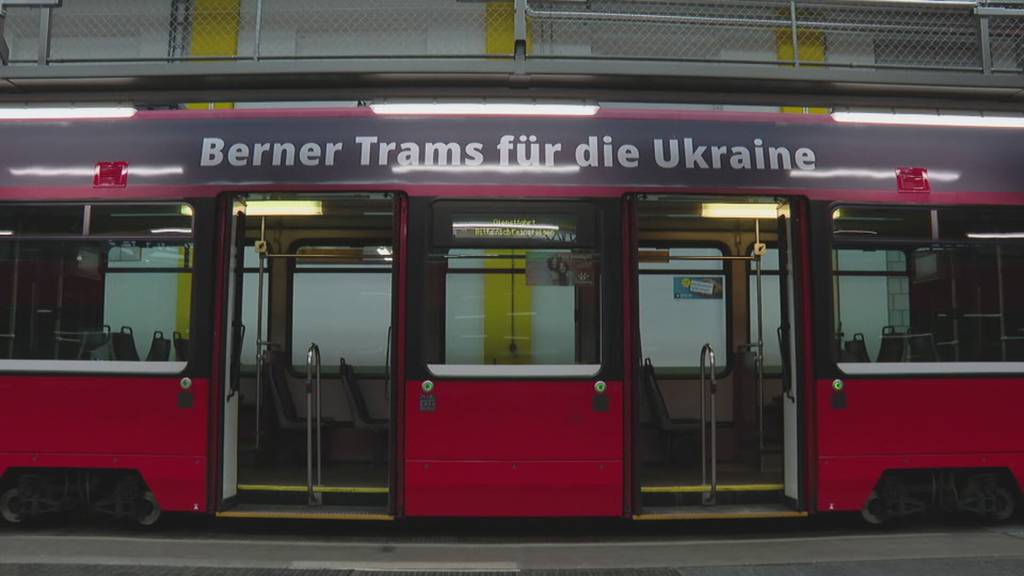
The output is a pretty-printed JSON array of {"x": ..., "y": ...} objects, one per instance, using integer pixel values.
[
  {"x": 759, "y": 365},
  {"x": 259, "y": 331},
  {"x": 707, "y": 360},
  {"x": 313, "y": 379},
  {"x": 703, "y": 422}
]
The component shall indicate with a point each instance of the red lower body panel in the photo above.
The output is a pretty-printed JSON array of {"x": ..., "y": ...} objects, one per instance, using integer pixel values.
[
  {"x": 925, "y": 422},
  {"x": 513, "y": 448},
  {"x": 577, "y": 488},
  {"x": 114, "y": 423},
  {"x": 179, "y": 483}
]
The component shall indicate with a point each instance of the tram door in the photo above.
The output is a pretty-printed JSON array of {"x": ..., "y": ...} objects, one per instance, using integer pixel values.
[
  {"x": 308, "y": 401},
  {"x": 715, "y": 428},
  {"x": 514, "y": 397}
]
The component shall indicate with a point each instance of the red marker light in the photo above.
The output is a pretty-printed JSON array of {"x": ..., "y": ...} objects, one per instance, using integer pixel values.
[
  {"x": 110, "y": 175},
  {"x": 912, "y": 180}
]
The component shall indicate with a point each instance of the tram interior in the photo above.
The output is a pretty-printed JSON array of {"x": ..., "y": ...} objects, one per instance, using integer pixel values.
[
  {"x": 322, "y": 269},
  {"x": 698, "y": 286}
]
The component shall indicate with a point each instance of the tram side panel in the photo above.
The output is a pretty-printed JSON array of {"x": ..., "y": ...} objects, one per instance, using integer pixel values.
[
  {"x": 918, "y": 390},
  {"x": 113, "y": 422},
  {"x": 913, "y": 423}
]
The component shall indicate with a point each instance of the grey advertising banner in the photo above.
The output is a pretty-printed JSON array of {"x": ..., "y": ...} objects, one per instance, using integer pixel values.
[{"x": 193, "y": 150}]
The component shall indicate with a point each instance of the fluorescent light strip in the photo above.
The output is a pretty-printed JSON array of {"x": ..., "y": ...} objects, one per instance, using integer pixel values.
[
  {"x": 66, "y": 113},
  {"x": 284, "y": 208},
  {"x": 728, "y": 210},
  {"x": 996, "y": 235},
  {"x": 930, "y": 119},
  {"x": 6, "y": 232},
  {"x": 477, "y": 109},
  {"x": 170, "y": 231}
]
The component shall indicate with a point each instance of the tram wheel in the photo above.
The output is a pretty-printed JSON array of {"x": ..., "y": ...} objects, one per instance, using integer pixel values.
[
  {"x": 148, "y": 510},
  {"x": 998, "y": 503},
  {"x": 10, "y": 504},
  {"x": 874, "y": 510}
]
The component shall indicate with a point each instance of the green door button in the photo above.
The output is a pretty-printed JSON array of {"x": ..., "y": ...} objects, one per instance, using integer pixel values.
[
  {"x": 600, "y": 386},
  {"x": 427, "y": 386}
]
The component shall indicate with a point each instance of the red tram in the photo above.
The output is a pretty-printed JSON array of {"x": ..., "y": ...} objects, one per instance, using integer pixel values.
[{"x": 380, "y": 313}]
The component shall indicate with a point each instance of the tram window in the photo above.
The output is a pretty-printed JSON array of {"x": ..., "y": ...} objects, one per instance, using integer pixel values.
[
  {"x": 38, "y": 220},
  {"x": 950, "y": 303},
  {"x": 140, "y": 219},
  {"x": 683, "y": 305},
  {"x": 341, "y": 299},
  {"x": 512, "y": 306},
  {"x": 771, "y": 301},
  {"x": 94, "y": 304}
]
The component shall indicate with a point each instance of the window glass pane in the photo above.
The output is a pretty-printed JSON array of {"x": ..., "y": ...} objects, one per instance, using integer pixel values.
[
  {"x": 517, "y": 306},
  {"x": 995, "y": 223},
  {"x": 107, "y": 302},
  {"x": 770, "y": 307},
  {"x": 250, "y": 292},
  {"x": 341, "y": 300},
  {"x": 677, "y": 294},
  {"x": 871, "y": 222},
  {"x": 936, "y": 303},
  {"x": 53, "y": 220},
  {"x": 140, "y": 219}
]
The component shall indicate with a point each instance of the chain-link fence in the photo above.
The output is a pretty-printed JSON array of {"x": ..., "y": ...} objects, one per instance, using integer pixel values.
[
  {"x": 962, "y": 35},
  {"x": 871, "y": 34},
  {"x": 177, "y": 30}
]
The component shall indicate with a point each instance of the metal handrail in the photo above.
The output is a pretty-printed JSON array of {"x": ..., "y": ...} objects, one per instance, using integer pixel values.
[
  {"x": 707, "y": 360},
  {"x": 313, "y": 396}
]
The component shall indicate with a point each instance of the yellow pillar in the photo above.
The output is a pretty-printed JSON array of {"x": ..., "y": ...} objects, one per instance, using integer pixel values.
[
  {"x": 215, "y": 34},
  {"x": 508, "y": 308},
  {"x": 812, "y": 49},
  {"x": 500, "y": 29}
]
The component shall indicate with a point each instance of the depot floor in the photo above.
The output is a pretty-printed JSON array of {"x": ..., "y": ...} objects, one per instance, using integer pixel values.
[{"x": 201, "y": 547}]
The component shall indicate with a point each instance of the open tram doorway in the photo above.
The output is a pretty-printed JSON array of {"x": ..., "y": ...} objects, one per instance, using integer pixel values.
[
  {"x": 716, "y": 431},
  {"x": 308, "y": 404}
]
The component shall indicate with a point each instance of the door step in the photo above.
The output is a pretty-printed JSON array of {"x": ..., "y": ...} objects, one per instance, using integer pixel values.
[
  {"x": 317, "y": 489},
  {"x": 690, "y": 489},
  {"x": 362, "y": 495},
  {"x": 298, "y": 512},
  {"x": 725, "y": 512}
]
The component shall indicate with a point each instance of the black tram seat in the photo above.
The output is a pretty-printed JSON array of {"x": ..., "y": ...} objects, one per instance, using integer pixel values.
[
  {"x": 669, "y": 427},
  {"x": 124, "y": 345},
  {"x": 361, "y": 417},
  {"x": 275, "y": 371},
  {"x": 285, "y": 411},
  {"x": 159, "y": 348},
  {"x": 921, "y": 348},
  {"x": 180, "y": 347},
  {"x": 892, "y": 347},
  {"x": 856, "y": 350}
]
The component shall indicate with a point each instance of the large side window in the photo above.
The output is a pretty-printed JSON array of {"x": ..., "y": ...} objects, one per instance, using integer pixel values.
[
  {"x": 104, "y": 287},
  {"x": 515, "y": 291},
  {"x": 683, "y": 305},
  {"x": 918, "y": 290},
  {"x": 341, "y": 300}
]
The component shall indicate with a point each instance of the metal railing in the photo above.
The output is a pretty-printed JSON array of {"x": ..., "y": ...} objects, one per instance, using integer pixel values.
[
  {"x": 314, "y": 428},
  {"x": 708, "y": 388},
  {"x": 973, "y": 36}
]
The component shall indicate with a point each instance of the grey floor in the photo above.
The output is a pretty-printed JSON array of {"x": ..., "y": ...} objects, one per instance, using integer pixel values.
[{"x": 814, "y": 547}]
